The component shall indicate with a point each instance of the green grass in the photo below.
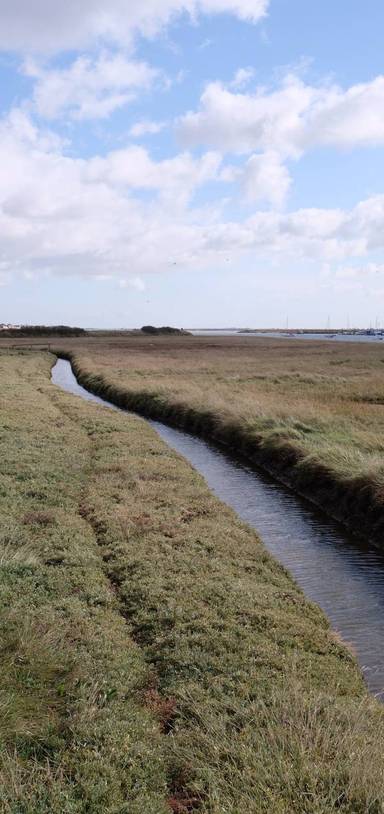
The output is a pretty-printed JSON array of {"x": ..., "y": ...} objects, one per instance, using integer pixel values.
[
  {"x": 75, "y": 735},
  {"x": 267, "y": 706},
  {"x": 154, "y": 656}
]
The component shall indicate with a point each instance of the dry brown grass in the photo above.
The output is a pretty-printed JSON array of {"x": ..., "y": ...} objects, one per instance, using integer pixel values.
[
  {"x": 313, "y": 410},
  {"x": 261, "y": 709},
  {"x": 326, "y": 395}
]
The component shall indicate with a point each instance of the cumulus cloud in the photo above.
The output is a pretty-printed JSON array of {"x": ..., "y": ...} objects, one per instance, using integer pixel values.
[
  {"x": 88, "y": 216},
  {"x": 263, "y": 178},
  {"x": 245, "y": 122},
  {"x": 88, "y": 88},
  {"x": 289, "y": 120},
  {"x": 174, "y": 179},
  {"x": 266, "y": 178},
  {"x": 351, "y": 118},
  {"x": 125, "y": 214},
  {"x": 49, "y": 25}
]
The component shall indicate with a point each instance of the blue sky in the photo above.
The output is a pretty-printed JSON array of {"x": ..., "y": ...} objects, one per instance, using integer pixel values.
[{"x": 192, "y": 162}]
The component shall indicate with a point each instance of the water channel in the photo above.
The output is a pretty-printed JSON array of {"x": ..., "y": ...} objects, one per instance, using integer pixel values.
[{"x": 341, "y": 573}]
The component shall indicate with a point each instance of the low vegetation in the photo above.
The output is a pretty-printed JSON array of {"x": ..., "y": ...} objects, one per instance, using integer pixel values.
[
  {"x": 75, "y": 735},
  {"x": 155, "y": 658},
  {"x": 42, "y": 330},
  {"x": 309, "y": 412},
  {"x": 166, "y": 330}
]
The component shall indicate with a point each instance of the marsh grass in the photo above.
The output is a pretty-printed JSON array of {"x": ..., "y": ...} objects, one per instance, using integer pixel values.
[
  {"x": 308, "y": 412},
  {"x": 156, "y": 657},
  {"x": 75, "y": 735},
  {"x": 263, "y": 709}
]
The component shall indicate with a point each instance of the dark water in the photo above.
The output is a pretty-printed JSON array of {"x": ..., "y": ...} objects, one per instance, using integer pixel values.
[{"x": 342, "y": 574}]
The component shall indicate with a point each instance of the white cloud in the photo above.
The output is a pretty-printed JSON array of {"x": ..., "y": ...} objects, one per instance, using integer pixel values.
[
  {"x": 126, "y": 214},
  {"x": 266, "y": 179},
  {"x": 288, "y": 120},
  {"x": 350, "y": 118},
  {"x": 82, "y": 216},
  {"x": 244, "y": 123},
  {"x": 49, "y": 25},
  {"x": 242, "y": 77},
  {"x": 263, "y": 178},
  {"x": 174, "y": 179},
  {"x": 88, "y": 88},
  {"x": 18, "y": 125},
  {"x": 146, "y": 127}
]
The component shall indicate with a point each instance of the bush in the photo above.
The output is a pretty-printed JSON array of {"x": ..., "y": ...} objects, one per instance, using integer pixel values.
[{"x": 150, "y": 329}]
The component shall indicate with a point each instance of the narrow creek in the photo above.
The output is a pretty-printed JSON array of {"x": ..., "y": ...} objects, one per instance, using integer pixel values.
[{"x": 341, "y": 573}]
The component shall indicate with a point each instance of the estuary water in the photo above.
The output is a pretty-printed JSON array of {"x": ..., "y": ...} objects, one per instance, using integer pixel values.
[
  {"x": 341, "y": 573},
  {"x": 327, "y": 337}
]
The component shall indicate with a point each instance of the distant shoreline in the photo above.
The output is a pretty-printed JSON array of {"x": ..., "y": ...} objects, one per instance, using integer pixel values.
[
  {"x": 294, "y": 331},
  {"x": 339, "y": 334}
]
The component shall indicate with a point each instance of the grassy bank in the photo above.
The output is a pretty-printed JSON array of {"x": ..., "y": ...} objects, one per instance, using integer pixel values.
[
  {"x": 75, "y": 734},
  {"x": 154, "y": 656},
  {"x": 309, "y": 412}
]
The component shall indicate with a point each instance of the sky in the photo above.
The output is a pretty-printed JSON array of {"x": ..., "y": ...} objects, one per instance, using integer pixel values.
[{"x": 197, "y": 163}]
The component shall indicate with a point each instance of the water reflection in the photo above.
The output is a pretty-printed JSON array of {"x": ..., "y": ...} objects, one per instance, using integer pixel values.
[{"x": 341, "y": 573}]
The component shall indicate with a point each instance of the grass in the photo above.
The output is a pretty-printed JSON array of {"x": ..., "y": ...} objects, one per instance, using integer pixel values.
[
  {"x": 154, "y": 656},
  {"x": 75, "y": 735},
  {"x": 309, "y": 412}
]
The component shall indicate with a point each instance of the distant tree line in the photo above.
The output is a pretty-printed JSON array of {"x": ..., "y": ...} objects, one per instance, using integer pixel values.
[
  {"x": 43, "y": 330},
  {"x": 150, "y": 329}
]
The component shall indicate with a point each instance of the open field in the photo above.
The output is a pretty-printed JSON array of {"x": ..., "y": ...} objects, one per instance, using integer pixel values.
[
  {"x": 310, "y": 412},
  {"x": 154, "y": 656}
]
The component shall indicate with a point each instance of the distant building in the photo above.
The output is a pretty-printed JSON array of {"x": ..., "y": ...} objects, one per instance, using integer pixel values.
[{"x": 7, "y": 327}]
